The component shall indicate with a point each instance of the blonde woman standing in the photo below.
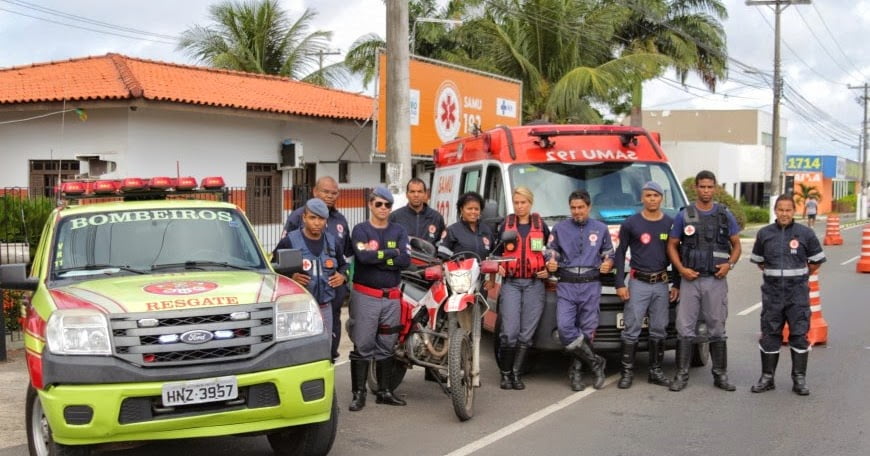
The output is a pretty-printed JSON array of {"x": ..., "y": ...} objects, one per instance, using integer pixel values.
[{"x": 522, "y": 290}]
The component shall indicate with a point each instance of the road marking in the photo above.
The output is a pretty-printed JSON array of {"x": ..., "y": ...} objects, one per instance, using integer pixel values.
[
  {"x": 526, "y": 422},
  {"x": 749, "y": 309},
  {"x": 850, "y": 260}
]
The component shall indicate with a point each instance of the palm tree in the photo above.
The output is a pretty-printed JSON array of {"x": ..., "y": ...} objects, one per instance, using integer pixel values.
[
  {"x": 563, "y": 51},
  {"x": 689, "y": 32},
  {"x": 258, "y": 36},
  {"x": 806, "y": 192}
]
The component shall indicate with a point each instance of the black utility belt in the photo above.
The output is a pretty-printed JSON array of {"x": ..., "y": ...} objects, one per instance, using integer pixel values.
[
  {"x": 564, "y": 278},
  {"x": 650, "y": 277}
]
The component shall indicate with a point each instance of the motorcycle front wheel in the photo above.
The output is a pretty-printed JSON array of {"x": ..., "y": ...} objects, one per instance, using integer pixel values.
[{"x": 459, "y": 368}]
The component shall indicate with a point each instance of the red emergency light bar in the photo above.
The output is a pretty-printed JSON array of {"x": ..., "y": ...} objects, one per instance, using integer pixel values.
[{"x": 139, "y": 188}]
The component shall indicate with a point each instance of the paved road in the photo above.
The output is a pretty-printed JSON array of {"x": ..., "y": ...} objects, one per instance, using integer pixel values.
[{"x": 548, "y": 418}]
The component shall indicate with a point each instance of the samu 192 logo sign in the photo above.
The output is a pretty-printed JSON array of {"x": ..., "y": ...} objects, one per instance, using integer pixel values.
[{"x": 448, "y": 111}]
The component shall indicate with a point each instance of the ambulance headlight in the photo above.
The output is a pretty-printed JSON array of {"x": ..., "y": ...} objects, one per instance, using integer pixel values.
[
  {"x": 78, "y": 332},
  {"x": 297, "y": 316}
]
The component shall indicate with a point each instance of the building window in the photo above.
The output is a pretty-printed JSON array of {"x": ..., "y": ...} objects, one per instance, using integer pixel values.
[
  {"x": 263, "y": 193},
  {"x": 45, "y": 175},
  {"x": 343, "y": 172}
]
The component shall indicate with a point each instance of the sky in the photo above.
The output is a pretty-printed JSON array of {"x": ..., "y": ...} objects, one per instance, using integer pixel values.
[{"x": 822, "y": 53}]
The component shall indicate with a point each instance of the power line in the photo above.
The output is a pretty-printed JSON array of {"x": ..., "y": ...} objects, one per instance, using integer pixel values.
[
  {"x": 74, "y": 17},
  {"x": 821, "y": 44},
  {"x": 821, "y": 18},
  {"x": 105, "y": 32}
]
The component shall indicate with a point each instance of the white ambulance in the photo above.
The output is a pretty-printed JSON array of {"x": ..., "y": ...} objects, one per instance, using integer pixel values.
[{"x": 611, "y": 162}]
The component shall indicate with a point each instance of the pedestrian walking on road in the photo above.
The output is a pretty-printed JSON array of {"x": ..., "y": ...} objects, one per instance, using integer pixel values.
[
  {"x": 787, "y": 253},
  {"x": 584, "y": 251},
  {"x": 326, "y": 189},
  {"x": 704, "y": 246},
  {"x": 381, "y": 253},
  {"x": 646, "y": 234},
  {"x": 811, "y": 208},
  {"x": 522, "y": 290}
]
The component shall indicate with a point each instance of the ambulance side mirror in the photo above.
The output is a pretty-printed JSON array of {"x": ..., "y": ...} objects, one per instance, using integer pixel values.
[{"x": 287, "y": 261}]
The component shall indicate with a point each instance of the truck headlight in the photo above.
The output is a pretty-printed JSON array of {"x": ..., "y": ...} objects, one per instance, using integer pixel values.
[
  {"x": 78, "y": 332},
  {"x": 297, "y": 316}
]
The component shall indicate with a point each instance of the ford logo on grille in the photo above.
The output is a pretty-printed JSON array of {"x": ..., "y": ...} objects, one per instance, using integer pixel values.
[{"x": 197, "y": 336}]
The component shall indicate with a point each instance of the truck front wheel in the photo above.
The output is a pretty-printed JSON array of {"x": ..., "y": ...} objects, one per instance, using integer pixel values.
[
  {"x": 308, "y": 440},
  {"x": 39, "y": 438}
]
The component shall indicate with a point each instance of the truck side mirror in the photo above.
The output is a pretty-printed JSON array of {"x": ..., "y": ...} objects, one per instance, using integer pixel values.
[
  {"x": 14, "y": 277},
  {"x": 289, "y": 261}
]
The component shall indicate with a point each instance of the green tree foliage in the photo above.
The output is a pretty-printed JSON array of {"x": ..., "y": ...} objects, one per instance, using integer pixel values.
[
  {"x": 22, "y": 219},
  {"x": 257, "y": 36},
  {"x": 720, "y": 196}
]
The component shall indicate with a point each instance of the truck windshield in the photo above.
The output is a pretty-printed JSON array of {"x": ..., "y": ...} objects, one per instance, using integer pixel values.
[
  {"x": 613, "y": 186},
  {"x": 141, "y": 241}
]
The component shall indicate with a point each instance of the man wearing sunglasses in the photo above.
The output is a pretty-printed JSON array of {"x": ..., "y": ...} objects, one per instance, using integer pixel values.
[
  {"x": 326, "y": 189},
  {"x": 381, "y": 252}
]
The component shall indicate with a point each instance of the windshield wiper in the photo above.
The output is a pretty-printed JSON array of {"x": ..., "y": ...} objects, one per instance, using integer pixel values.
[
  {"x": 200, "y": 265},
  {"x": 100, "y": 268}
]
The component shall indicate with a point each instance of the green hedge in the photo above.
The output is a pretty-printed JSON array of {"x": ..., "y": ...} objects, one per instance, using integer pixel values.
[
  {"x": 722, "y": 197},
  {"x": 22, "y": 219},
  {"x": 755, "y": 214}
]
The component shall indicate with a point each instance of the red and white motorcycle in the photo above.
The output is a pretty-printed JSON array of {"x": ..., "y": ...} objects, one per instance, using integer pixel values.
[{"x": 442, "y": 308}]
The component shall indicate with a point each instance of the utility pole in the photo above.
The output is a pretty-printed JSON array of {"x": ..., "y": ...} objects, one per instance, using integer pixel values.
[
  {"x": 320, "y": 55},
  {"x": 398, "y": 87},
  {"x": 776, "y": 147},
  {"x": 862, "y": 151}
]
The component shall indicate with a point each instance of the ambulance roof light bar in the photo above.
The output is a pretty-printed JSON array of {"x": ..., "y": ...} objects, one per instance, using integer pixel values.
[{"x": 627, "y": 135}]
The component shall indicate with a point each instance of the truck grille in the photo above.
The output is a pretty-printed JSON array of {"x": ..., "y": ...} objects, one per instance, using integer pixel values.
[{"x": 161, "y": 344}]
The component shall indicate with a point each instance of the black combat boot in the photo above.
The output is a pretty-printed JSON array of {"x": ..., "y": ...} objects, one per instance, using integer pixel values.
[
  {"x": 799, "y": 372},
  {"x": 358, "y": 373},
  {"x": 768, "y": 371},
  {"x": 595, "y": 363},
  {"x": 575, "y": 375},
  {"x": 626, "y": 375},
  {"x": 684, "y": 361},
  {"x": 656, "y": 355},
  {"x": 518, "y": 365},
  {"x": 506, "y": 357},
  {"x": 385, "y": 377},
  {"x": 719, "y": 357}
]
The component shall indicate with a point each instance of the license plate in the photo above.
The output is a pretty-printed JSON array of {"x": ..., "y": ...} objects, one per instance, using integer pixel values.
[
  {"x": 620, "y": 321},
  {"x": 200, "y": 391}
]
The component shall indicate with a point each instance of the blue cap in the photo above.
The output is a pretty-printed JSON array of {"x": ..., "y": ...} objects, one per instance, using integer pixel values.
[
  {"x": 317, "y": 207},
  {"x": 654, "y": 186},
  {"x": 382, "y": 192}
]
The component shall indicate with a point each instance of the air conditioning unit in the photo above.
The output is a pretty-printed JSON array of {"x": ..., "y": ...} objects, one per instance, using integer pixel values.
[{"x": 291, "y": 153}]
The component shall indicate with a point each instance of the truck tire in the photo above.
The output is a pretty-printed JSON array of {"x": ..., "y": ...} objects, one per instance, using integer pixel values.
[
  {"x": 39, "y": 438},
  {"x": 309, "y": 439}
]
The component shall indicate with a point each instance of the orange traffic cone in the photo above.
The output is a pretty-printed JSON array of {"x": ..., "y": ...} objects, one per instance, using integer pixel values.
[
  {"x": 863, "y": 264},
  {"x": 818, "y": 333},
  {"x": 832, "y": 231}
]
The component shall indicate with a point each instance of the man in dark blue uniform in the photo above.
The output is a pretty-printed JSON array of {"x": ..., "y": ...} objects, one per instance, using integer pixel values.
[
  {"x": 326, "y": 189},
  {"x": 787, "y": 253},
  {"x": 646, "y": 234},
  {"x": 323, "y": 267},
  {"x": 584, "y": 250},
  {"x": 417, "y": 217},
  {"x": 704, "y": 245},
  {"x": 381, "y": 252}
]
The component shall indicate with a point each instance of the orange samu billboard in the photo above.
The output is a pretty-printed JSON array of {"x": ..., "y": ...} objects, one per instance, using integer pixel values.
[{"x": 448, "y": 101}]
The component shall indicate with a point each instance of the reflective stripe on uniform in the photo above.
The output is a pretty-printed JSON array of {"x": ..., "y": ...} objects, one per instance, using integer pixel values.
[
  {"x": 721, "y": 255},
  {"x": 817, "y": 257},
  {"x": 786, "y": 272},
  {"x": 756, "y": 258}
]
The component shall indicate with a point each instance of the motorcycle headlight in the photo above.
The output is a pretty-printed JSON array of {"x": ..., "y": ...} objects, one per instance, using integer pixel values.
[
  {"x": 78, "y": 332},
  {"x": 459, "y": 281},
  {"x": 297, "y": 316}
]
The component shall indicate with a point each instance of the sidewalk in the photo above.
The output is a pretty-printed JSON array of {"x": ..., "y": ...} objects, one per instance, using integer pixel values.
[{"x": 13, "y": 388}]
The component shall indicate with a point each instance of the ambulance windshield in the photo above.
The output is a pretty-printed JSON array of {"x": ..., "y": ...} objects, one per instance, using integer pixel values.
[
  {"x": 613, "y": 186},
  {"x": 145, "y": 241}
]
